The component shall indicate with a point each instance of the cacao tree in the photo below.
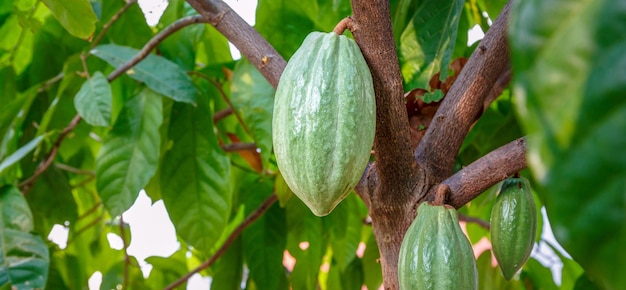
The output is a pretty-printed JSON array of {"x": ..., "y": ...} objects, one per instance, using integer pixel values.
[{"x": 96, "y": 105}]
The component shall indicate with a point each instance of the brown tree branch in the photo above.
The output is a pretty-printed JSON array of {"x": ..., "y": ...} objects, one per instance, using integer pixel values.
[
  {"x": 464, "y": 102},
  {"x": 389, "y": 186},
  {"x": 249, "y": 42},
  {"x": 219, "y": 88},
  {"x": 218, "y": 116},
  {"x": 233, "y": 147},
  {"x": 474, "y": 220},
  {"x": 392, "y": 145},
  {"x": 253, "y": 216},
  {"x": 153, "y": 42},
  {"x": 490, "y": 169}
]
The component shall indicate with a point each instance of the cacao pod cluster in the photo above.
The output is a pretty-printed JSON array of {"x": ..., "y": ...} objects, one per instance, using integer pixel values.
[
  {"x": 324, "y": 120},
  {"x": 435, "y": 254}
]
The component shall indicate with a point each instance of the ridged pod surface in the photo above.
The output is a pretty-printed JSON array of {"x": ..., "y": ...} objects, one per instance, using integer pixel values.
[
  {"x": 324, "y": 120},
  {"x": 513, "y": 225},
  {"x": 435, "y": 254}
]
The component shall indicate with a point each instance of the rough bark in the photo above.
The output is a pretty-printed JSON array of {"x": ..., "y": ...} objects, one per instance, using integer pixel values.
[
  {"x": 490, "y": 169},
  {"x": 464, "y": 102},
  {"x": 395, "y": 174}
]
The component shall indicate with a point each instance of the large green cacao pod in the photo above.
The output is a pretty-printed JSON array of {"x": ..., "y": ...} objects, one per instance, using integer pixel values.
[
  {"x": 324, "y": 120},
  {"x": 513, "y": 225},
  {"x": 435, "y": 254}
]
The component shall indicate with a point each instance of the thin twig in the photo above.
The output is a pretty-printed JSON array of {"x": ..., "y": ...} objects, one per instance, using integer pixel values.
[
  {"x": 74, "y": 169},
  {"x": 233, "y": 147},
  {"x": 153, "y": 42},
  {"x": 126, "y": 256},
  {"x": 83, "y": 60},
  {"x": 218, "y": 86},
  {"x": 85, "y": 228},
  {"x": 218, "y": 116},
  {"x": 28, "y": 183},
  {"x": 50, "y": 82},
  {"x": 85, "y": 181},
  {"x": 474, "y": 220},
  {"x": 90, "y": 210},
  {"x": 253, "y": 216},
  {"x": 108, "y": 25}
]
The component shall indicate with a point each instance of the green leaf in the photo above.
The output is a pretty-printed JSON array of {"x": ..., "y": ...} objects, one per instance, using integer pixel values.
[
  {"x": 195, "y": 176},
  {"x": 93, "y": 101},
  {"x": 12, "y": 101},
  {"x": 9, "y": 97},
  {"x": 116, "y": 275},
  {"x": 212, "y": 47},
  {"x": 399, "y": 18},
  {"x": 492, "y": 7},
  {"x": 119, "y": 32},
  {"x": 253, "y": 97},
  {"x": 538, "y": 275},
  {"x": 345, "y": 234},
  {"x": 570, "y": 272},
  {"x": 583, "y": 283},
  {"x": 490, "y": 277},
  {"x": 330, "y": 12},
  {"x": 20, "y": 153},
  {"x": 166, "y": 270},
  {"x": 180, "y": 47},
  {"x": 305, "y": 242},
  {"x": 572, "y": 106},
  {"x": 282, "y": 190},
  {"x": 427, "y": 44},
  {"x": 76, "y": 16},
  {"x": 16, "y": 44},
  {"x": 352, "y": 276},
  {"x": 24, "y": 258},
  {"x": 435, "y": 96},
  {"x": 51, "y": 201},
  {"x": 264, "y": 240},
  {"x": 158, "y": 73},
  {"x": 272, "y": 15},
  {"x": 130, "y": 153},
  {"x": 372, "y": 272},
  {"x": 228, "y": 270}
]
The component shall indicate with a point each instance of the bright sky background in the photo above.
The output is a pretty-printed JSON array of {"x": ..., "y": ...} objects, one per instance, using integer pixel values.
[{"x": 152, "y": 231}]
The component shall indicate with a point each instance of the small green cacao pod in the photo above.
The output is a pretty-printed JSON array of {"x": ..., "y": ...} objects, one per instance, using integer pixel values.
[
  {"x": 513, "y": 225},
  {"x": 324, "y": 120},
  {"x": 435, "y": 254}
]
